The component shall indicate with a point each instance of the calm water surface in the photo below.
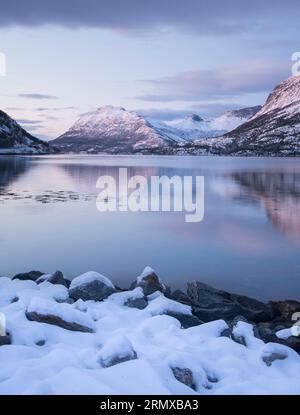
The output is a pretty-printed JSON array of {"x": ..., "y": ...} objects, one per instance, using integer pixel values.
[{"x": 248, "y": 242}]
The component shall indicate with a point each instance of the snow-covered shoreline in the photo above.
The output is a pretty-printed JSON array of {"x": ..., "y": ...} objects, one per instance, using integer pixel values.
[{"x": 89, "y": 337}]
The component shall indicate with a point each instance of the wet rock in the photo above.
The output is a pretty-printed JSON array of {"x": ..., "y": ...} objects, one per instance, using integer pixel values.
[
  {"x": 186, "y": 320},
  {"x": 212, "y": 304},
  {"x": 139, "y": 303},
  {"x": 149, "y": 282},
  {"x": 54, "y": 278},
  {"x": 185, "y": 376},
  {"x": 91, "y": 286},
  {"x": 31, "y": 276}
]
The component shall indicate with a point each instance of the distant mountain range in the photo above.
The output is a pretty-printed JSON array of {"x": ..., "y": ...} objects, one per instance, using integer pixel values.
[
  {"x": 117, "y": 131},
  {"x": 273, "y": 129}
]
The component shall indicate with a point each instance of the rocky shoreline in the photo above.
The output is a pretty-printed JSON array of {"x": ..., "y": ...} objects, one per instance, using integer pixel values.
[{"x": 207, "y": 304}]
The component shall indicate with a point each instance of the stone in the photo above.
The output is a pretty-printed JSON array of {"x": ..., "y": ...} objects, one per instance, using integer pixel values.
[
  {"x": 180, "y": 296},
  {"x": 56, "y": 320},
  {"x": 54, "y": 278},
  {"x": 185, "y": 376},
  {"x": 212, "y": 304},
  {"x": 149, "y": 282},
  {"x": 267, "y": 332},
  {"x": 270, "y": 358},
  {"x": 286, "y": 309},
  {"x": 139, "y": 303},
  {"x": 5, "y": 340},
  {"x": 186, "y": 320},
  {"x": 31, "y": 276},
  {"x": 91, "y": 286},
  {"x": 116, "y": 350}
]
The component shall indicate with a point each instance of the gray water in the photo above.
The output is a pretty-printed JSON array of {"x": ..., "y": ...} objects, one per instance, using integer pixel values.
[{"x": 248, "y": 242}]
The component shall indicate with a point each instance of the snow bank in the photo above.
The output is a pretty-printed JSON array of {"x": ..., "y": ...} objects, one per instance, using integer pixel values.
[{"x": 131, "y": 351}]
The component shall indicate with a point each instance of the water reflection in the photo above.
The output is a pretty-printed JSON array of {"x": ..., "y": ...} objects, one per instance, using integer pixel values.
[{"x": 278, "y": 193}]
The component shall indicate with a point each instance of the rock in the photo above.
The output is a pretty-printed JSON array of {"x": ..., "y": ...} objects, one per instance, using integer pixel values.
[
  {"x": 5, "y": 340},
  {"x": 57, "y": 314},
  {"x": 116, "y": 350},
  {"x": 31, "y": 275},
  {"x": 55, "y": 278},
  {"x": 285, "y": 310},
  {"x": 41, "y": 343},
  {"x": 186, "y": 320},
  {"x": 91, "y": 286},
  {"x": 267, "y": 332},
  {"x": 180, "y": 296},
  {"x": 139, "y": 303},
  {"x": 184, "y": 376},
  {"x": 212, "y": 304},
  {"x": 68, "y": 282},
  {"x": 57, "y": 321},
  {"x": 270, "y": 358},
  {"x": 149, "y": 282}
]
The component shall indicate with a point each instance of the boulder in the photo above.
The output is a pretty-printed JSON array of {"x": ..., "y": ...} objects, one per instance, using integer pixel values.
[
  {"x": 180, "y": 296},
  {"x": 149, "y": 282},
  {"x": 5, "y": 340},
  {"x": 91, "y": 286},
  {"x": 186, "y": 320},
  {"x": 284, "y": 310},
  {"x": 212, "y": 304},
  {"x": 116, "y": 350},
  {"x": 55, "y": 278},
  {"x": 57, "y": 314},
  {"x": 184, "y": 376},
  {"x": 31, "y": 276},
  {"x": 139, "y": 303},
  {"x": 267, "y": 332}
]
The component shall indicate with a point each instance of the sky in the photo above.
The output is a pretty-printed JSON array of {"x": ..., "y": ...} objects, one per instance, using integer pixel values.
[{"x": 161, "y": 58}]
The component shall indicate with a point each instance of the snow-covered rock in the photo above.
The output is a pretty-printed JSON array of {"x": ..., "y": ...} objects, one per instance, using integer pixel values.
[
  {"x": 91, "y": 286},
  {"x": 149, "y": 282},
  {"x": 54, "y": 278},
  {"x": 62, "y": 315},
  {"x": 15, "y": 140},
  {"x": 131, "y": 351}
]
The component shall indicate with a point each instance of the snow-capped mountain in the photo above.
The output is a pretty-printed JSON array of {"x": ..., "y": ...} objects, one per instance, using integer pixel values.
[
  {"x": 115, "y": 130},
  {"x": 274, "y": 130},
  {"x": 112, "y": 130},
  {"x": 15, "y": 140}
]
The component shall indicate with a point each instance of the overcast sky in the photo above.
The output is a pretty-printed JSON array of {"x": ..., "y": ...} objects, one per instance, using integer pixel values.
[{"x": 163, "y": 58}]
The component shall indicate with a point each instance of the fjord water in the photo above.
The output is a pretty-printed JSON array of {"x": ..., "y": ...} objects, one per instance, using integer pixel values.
[{"x": 248, "y": 242}]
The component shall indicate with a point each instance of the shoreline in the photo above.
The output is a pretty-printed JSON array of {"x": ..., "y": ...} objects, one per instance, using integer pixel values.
[{"x": 87, "y": 335}]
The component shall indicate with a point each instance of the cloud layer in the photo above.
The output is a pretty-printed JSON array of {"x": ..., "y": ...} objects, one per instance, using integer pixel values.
[
  {"x": 224, "y": 82},
  {"x": 213, "y": 17}
]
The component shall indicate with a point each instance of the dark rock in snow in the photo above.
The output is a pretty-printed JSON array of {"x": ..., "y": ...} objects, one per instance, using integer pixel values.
[
  {"x": 149, "y": 282},
  {"x": 57, "y": 321},
  {"x": 180, "y": 296},
  {"x": 55, "y": 278},
  {"x": 285, "y": 309},
  {"x": 139, "y": 303},
  {"x": 186, "y": 320},
  {"x": 267, "y": 332},
  {"x": 31, "y": 275},
  {"x": 212, "y": 304},
  {"x": 91, "y": 286},
  {"x": 184, "y": 376},
  {"x": 5, "y": 340},
  {"x": 270, "y": 358}
]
